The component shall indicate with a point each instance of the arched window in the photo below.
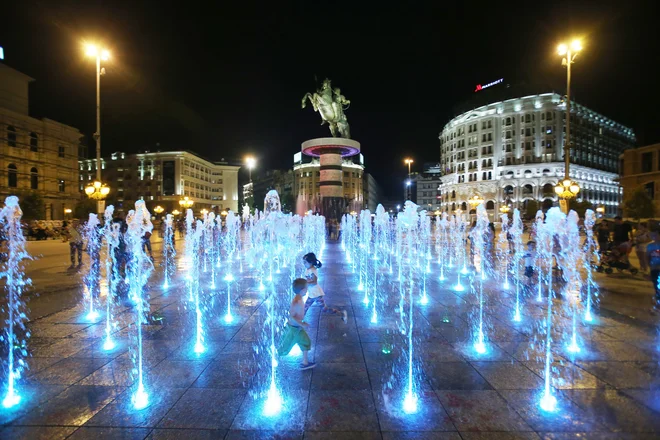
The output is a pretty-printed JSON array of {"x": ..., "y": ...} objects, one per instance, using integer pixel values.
[
  {"x": 11, "y": 136},
  {"x": 453, "y": 194},
  {"x": 508, "y": 190},
  {"x": 548, "y": 190},
  {"x": 464, "y": 206},
  {"x": 34, "y": 179},
  {"x": 490, "y": 204},
  {"x": 12, "y": 176},
  {"x": 34, "y": 141},
  {"x": 546, "y": 172},
  {"x": 528, "y": 190}
]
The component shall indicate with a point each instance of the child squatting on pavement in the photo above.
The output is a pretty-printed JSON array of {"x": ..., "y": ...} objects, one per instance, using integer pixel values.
[{"x": 295, "y": 331}]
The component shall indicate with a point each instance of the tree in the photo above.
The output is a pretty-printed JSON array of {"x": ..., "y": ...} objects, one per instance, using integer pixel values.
[
  {"x": 639, "y": 204},
  {"x": 32, "y": 205},
  {"x": 83, "y": 208},
  {"x": 579, "y": 207},
  {"x": 531, "y": 208},
  {"x": 288, "y": 202}
]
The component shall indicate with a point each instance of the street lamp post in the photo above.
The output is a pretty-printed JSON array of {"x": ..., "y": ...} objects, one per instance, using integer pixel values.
[
  {"x": 99, "y": 54},
  {"x": 408, "y": 161},
  {"x": 567, "y": 188},
  {"x": 186, "y": 203},
  {"x": 250, "y": 162}
]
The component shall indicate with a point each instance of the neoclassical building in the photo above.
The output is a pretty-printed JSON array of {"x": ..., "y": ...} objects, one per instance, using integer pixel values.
[{"x": 510, "y": 152}]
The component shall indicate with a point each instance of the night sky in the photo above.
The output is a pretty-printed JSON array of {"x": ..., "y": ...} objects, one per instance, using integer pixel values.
[{"x": 227, "y": 80}]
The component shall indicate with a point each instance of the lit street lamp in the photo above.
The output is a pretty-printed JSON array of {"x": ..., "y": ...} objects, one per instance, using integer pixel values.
[
  {"x": 159, "y": 210},
  {"x": 204, "y": 211},
  {"x": 100, "y": 54},
  {"x": 567, "y": 189},
  {"x": 186, "y": 202},
  {"x": 504, "y": 209},
  {"x": 475, "y": 201},
  {"x": 176, "y": 212},
  {"x": 408, "y": 161},
  {"x": 250, "y": 162},
  {"x": 97, "y": 191}
]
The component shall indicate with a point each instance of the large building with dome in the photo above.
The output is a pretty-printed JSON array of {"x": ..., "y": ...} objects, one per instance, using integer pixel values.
[{"x": 510, "y": 152}]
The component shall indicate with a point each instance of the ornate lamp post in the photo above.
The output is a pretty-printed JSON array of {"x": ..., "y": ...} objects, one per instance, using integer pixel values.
[
  {"x": 98, "y": 191},
  {"x": 159, "y": 210},
  {"x": 504, "y": 209},
  {"x": 100, "y": 55},
  {"x": 176, "y": 212},
  {"x": 408, "y": 161},
  {"x": 186, "y": 202},
  {"x": 567, "y": 189},
  {"x": 204, "y": 211}
]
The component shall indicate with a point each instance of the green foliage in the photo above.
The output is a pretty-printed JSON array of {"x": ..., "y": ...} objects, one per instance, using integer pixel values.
[
  {"x": 532, "y": 208},
  {"x": 288, "y": 203},
  {"x": 579, "y": 207},
  {"x": 83, "y": 208},
  {"x": 32, "y": 205},
  {"x": 638, "y": 204}
]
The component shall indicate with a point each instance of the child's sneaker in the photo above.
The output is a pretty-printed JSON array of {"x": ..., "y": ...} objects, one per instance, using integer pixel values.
[
  {"x": 309, "y": 366},
  {"x": 344, "y": 316}
]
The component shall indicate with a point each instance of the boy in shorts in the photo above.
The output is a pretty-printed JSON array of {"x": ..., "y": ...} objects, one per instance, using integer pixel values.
[{"x": 295, "y": 333}]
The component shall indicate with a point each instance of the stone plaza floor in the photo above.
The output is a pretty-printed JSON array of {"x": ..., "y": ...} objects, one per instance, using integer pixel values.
[{"x": 75, "y": 390}]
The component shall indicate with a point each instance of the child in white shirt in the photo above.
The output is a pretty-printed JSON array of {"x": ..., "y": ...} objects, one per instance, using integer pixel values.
[{"x": 314, "y": 291}]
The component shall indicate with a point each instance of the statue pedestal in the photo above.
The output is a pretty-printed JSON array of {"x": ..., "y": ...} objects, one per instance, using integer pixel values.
[{"x": 330, "y": 152}]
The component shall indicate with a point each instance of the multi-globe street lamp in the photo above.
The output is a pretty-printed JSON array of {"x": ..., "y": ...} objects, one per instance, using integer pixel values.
[
  {"x": 186, "y": 202},
  {"x": 100, "y": 55},
  {"x": 97, "y": 191},
  {"x": 567, "y": 189},
  {"x": 408, "y": 161}
]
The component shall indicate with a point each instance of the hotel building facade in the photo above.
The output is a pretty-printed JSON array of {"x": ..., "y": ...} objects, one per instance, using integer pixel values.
[
  {"x": 511, "y": 151},
  {"x": 163, "y": 178}
]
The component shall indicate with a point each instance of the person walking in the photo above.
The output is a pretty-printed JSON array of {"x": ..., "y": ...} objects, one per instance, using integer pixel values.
[
  {"x": 75, "y": 244},
  {"x": 642, "y": 238}
]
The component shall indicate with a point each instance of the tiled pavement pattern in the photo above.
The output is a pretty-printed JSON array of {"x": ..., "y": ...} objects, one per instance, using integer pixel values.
[{"x": 611, "y": 390}]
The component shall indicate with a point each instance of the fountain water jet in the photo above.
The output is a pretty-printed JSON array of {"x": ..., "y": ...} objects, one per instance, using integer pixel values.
[{"x": 10, "y": 218}]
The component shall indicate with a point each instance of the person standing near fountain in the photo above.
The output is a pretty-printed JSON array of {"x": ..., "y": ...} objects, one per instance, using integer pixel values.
[
  {"x": 75, "y": 244},
  {"x": 315, "y": 291},
  {"x": 653, "y": 259},
  {"x": 295, "y": 332}
]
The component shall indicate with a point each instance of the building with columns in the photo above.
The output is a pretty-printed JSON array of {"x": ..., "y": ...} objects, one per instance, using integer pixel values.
[
  {"x": 307, "y": 181},
  {"x": 511, "y": 151},
  {"x": 163, "y": 178},
  {"x": 36, "y": 155}
]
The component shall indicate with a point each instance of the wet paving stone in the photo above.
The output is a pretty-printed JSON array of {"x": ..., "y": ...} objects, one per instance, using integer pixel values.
[
  {"x": 205, "y": 408},
  {"x": 481, "y": 411},
  {"x": 73, "y": 407},
  {"x": 37, "y": 432},
  {"x": 341, "y": 411},
  {"x": 622, "y": 374},
  {"x": 85, "y": 433},
  {"x": 429, "y": 416},
  {"x": 254, "y": 415},
  {"x": 616, "y": 411},
  {"x": 121, "y": 413},
  {"x": 508, "y": 375},
  {"x": 455, "y": 376},
  {"x": 340, "y": 376},
  {"x": 187, "y": 434},
  {"x": 68, "y": 371}
]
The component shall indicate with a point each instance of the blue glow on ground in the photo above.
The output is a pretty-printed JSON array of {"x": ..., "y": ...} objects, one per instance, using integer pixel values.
[
  {"x": 199, "y": 348},
  {"x": 588, "y": 317},
  {"x": 140, "y": 399},
  {"x": 574, "y": 347},
  {"x": 228, "y": 318},
  {"x": 273, "y": 404},
  {"x": 480, "y": 347},
  {"x": 11, "y": 399},
  {"x": 166, "y": 285},
  {"x": 425, "y": 299},
  {"x": 374, "y": 318},
  {"x": 410, "y": 403},
  {"x": 505, "y": 286},
  {"x": 517, "y": 317},
  {"x": 261, "y": 287},
  {"x": 465, "y": 270},
  {"x": 458, "y": 287},
  {"x": 548, "y": 402},
  {"x": 229, "y": 278},
  {"x": 442, "y": 277},
  {"x": 109, "y": 344},
  {"x": 365, "y": 300},
  {"x": 212, "y": 286},
  {"x": 360, "y": 287},
  {"x": 92, "y": 316}
]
